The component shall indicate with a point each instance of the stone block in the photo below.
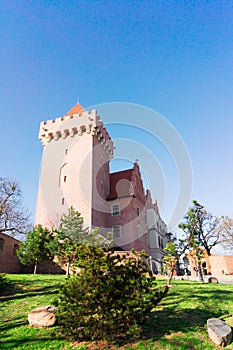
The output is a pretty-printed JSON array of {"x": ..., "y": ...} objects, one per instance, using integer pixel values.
[
  {"x": 219, "y": 332},
  {"x": 42, "y": 317}
]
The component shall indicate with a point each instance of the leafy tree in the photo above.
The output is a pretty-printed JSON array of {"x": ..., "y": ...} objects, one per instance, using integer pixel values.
[
  {"x": 192, "y": 227},
  {"x": 70, "y": 234},
  {"x": 203, "y": 232},
  {"x": 208, "y": 228},
  {"x": 38, "y": 247},
  {"x": 109, "y": 298},
  {"x": 14, "y": 218}
]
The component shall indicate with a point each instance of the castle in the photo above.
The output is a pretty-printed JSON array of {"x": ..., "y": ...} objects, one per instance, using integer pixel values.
[{"x": 77, "y": 150}]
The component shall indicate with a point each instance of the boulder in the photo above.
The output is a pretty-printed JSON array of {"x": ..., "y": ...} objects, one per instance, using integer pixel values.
[
  {"x": 42, "y": 317},
  {"x": 213, "y": 280},
  {"x": 219, "y": 332}
]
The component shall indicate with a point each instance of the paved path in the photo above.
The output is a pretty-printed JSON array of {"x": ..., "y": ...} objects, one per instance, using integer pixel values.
[{"x": 221, "y": 279}]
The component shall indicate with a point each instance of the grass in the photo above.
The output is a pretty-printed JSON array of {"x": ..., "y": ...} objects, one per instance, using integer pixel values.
[{"x": 178, "y": 322}]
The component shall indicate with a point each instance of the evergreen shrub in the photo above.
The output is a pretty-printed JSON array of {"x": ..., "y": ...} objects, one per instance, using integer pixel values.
[{"x": 109, "y": 298}]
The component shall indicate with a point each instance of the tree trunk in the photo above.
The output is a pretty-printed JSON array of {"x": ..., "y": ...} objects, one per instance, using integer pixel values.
[
  {"x": 167, "y": 286},
  {"x": 35, "y": 269},
  {"x": 200, "y": 274},
  {"x": 68, "y": 268}
]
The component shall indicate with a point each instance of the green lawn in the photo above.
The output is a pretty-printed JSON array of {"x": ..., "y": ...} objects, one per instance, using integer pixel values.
[{"x": 178, "y": 322}]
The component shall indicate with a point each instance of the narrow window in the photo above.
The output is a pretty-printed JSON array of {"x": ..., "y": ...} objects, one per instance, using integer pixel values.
[
  {"x": 138, "y": 211},
  {"x": 65, "y": 177},
  {"x": 116, "y": 230},
  {"x": 161, "y": 242},
  {"x": 66, "y": 151},
  {"x": 115, "y": 209},
  {"x": 63, "y": 201}
]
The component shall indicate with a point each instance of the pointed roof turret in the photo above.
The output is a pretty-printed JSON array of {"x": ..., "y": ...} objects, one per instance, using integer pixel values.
[{"x": 75, "y": 109}]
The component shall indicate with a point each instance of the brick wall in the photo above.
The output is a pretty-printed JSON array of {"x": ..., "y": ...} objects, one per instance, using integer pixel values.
[
  {"x": 9, "y": 261},
  {"x": 215, "y": 265}
]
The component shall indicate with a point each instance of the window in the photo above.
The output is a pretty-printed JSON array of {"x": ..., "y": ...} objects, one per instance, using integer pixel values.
[
  {"x": 161, "y": 242},
  {"x": 115, "y": 209},
  {"x": 66, "y": 151},
  {"x": 116, "y": 230},
  {"x": 63, "y": 201},
  {"x": 65, "y": 177},
  {"x": 138, "y": 211}
]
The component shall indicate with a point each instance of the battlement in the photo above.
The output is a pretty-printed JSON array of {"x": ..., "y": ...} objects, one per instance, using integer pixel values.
[{"x": 88, "y": 122}]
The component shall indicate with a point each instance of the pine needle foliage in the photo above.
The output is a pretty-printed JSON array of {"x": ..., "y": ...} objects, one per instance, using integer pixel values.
[
  {"x": 110, "y": 297},
  {"x": 71, "y": 234},
  {"x": 38, "y": 247}
]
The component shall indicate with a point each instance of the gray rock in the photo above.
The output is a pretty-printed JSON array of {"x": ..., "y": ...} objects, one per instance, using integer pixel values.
[
  {"x": 42, "y": 317},
  {"x": 213, "y": 280},
  {"x": 219, "y": 332}
]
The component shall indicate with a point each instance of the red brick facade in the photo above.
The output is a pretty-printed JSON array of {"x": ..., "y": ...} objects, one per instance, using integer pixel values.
[
  {"x": 215, "y": 265},
  {"x": 77, "y": 153},
  {"x": 9, "y": 261},
  {"x": 126, "y": 190}
]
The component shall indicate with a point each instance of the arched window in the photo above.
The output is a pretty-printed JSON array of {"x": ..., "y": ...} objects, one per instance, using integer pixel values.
[{"x": 62, "y": 173}]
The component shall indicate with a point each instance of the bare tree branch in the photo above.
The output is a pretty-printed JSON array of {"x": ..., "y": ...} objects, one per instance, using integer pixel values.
[{"x": 14, "y": 218}]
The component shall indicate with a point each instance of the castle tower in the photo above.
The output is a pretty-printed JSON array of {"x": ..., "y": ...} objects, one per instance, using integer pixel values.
[{"x": 74, "y": 168}]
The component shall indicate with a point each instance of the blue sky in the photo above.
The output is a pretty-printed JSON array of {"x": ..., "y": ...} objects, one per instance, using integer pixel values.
[{"x": 175, "y": 57}]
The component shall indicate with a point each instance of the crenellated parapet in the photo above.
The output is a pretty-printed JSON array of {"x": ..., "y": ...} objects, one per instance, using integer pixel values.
[{"x": 85, "y": 122}]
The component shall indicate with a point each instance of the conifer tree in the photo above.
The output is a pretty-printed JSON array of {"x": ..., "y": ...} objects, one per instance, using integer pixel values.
[
  {"x": 192, "y": 227},
  {"x": 71, "y": 234},
  {"x": 38, "y": 247},
  {"x": 109, "y": 298},
  {"x": 71, "y": 225}
]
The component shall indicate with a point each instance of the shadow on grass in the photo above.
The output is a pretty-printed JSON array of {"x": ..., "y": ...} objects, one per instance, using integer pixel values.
[
  {"x": 12, "y": 323},
  {"x": 162, "y": 323},
  {"x": 171, "y": 322},
  {"x": 14, "y": 292},
  {"x": 38, "y": 343}
]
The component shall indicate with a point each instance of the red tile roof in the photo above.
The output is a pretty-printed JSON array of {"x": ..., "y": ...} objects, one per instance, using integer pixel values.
[
  {"x": 116, "y": 186},
  {"x": 75, "y": 109}
]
